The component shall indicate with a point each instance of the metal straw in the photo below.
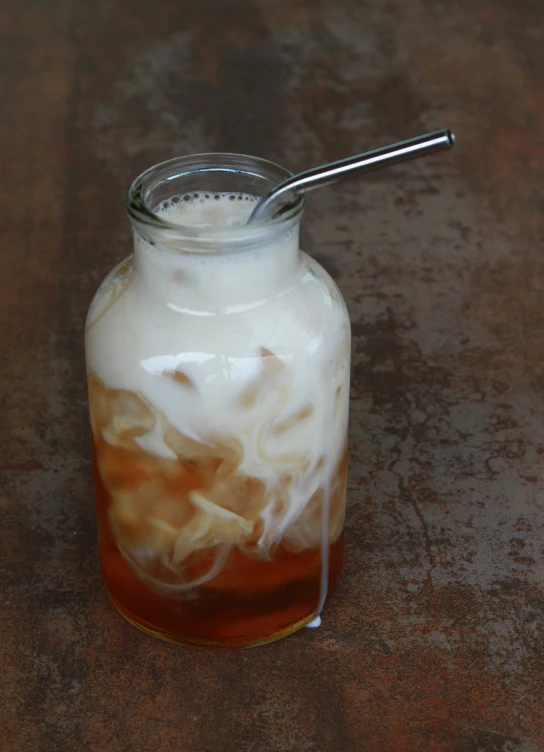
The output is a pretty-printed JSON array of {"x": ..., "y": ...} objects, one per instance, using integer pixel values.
[{"x": 283, "y": 195}]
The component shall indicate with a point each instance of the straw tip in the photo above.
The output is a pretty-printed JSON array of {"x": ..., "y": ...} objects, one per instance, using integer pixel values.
[{"x": 451, "y": 137}]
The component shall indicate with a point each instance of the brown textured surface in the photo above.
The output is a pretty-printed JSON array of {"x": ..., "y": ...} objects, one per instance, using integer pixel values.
[{"x": 435, "y": 638}]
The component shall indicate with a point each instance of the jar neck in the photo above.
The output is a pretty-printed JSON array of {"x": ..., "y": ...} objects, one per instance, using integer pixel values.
[
  {"x": 193, "y": 246},
  {"x": 210, "y": 283}
]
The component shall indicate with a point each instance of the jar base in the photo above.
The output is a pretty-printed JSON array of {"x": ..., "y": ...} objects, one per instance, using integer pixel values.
[{"x": 206, "y": 644}]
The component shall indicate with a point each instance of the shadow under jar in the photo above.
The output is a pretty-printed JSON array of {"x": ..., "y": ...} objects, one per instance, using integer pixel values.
[{"x": 218, "y": 374}]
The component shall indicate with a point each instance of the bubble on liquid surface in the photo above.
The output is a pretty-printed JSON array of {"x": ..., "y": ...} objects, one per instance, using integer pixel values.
[{"x": 206, "y": 209}]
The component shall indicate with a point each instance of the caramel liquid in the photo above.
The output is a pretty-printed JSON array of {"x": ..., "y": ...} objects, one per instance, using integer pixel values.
[{"x": 248, "y": 603}]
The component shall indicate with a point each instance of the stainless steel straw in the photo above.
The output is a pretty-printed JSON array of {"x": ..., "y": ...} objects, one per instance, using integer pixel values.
[{"x": 283, "y": 195}]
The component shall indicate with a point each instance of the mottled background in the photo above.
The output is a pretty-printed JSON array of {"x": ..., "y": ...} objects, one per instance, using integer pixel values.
[{"x": 434, "y": 639}]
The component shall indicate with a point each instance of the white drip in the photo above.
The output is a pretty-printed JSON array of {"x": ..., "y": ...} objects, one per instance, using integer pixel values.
[{"x": 325, "y": 547}]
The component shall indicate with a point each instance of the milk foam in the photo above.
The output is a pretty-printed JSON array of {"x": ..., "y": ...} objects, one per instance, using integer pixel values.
[{"x": 201, "y": 209}]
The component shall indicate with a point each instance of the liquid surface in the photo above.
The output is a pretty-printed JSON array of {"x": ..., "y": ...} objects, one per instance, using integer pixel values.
[
  {"x": 199, "y": 209},
  {"x": 218, "y": 390}
]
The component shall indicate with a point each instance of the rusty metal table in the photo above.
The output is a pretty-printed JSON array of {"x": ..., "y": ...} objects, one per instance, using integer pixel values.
[{"x": 434, "y": 640}]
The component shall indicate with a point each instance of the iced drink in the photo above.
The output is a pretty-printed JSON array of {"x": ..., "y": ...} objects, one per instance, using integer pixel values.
[{"x": 218, "y": 393}]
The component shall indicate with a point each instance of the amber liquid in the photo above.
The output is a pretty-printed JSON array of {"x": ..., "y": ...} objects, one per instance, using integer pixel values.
[{"x": 249, "y": 602}]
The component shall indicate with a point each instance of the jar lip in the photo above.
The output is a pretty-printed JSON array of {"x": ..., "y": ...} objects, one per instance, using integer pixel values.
[{"x": 207, "y": 162}]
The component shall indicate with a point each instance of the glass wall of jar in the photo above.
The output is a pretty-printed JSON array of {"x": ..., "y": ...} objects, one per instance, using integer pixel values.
[{"x": 218, "y": 372}]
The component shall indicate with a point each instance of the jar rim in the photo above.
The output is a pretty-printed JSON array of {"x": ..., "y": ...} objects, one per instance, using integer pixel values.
[{"x": 143, "y": 216}]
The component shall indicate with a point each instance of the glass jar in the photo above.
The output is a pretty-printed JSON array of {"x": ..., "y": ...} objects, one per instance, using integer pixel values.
[{"x": 218, "y": 374}]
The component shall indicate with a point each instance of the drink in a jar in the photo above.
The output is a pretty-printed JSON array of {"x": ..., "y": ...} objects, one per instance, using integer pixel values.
[{"x": 218, "y": 377}]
